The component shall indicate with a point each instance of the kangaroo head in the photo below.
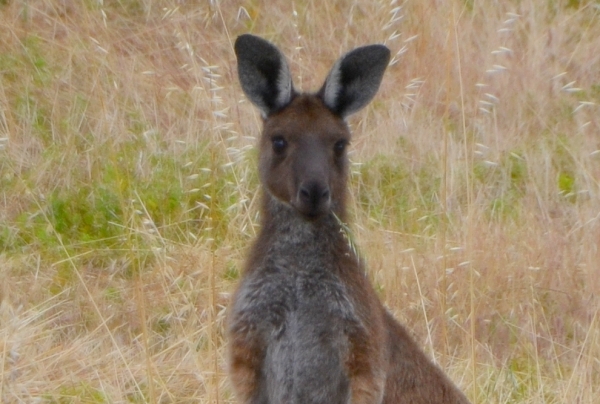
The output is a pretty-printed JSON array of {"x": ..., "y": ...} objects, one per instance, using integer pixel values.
[{"x": 303, "y": 161}]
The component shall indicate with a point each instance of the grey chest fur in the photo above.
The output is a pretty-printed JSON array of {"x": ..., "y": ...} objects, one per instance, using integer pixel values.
[
  {"x": 295, "y": 303},
  {"x": 296, "y": 282}
]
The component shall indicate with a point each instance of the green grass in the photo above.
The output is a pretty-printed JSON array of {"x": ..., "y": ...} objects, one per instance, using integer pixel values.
[{"x": 397, "y": 195}]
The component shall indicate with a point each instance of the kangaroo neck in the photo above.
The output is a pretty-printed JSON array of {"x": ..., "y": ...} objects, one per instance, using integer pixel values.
[{"x": 284, "y": 226}]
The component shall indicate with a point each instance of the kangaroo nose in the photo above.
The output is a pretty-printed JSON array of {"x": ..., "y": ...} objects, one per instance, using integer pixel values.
[
  {"x": 313, "y": 198},
  {"x": 313, "y": 193}
]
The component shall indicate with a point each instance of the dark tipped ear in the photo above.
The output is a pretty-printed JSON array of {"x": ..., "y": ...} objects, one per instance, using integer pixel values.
[
  {"x": 354, "y": 79},
  {"x": 264, "y": 73}
]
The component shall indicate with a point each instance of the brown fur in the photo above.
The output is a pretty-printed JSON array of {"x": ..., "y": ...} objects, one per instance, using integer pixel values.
[{"x": 306, "y": 325}]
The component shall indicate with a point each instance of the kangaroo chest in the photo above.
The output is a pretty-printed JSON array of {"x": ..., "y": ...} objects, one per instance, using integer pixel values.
[
  {"x": 295, "y": 306},
  {"x": 306, "y": 322},
  {"x": 294, "y": 295}
]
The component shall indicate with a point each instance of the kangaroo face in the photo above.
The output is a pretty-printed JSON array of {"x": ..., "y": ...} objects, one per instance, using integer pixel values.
[{"x": 303, "y": 160}]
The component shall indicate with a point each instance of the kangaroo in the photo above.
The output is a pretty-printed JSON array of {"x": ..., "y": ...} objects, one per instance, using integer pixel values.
[{"x": 305, "y": 325}]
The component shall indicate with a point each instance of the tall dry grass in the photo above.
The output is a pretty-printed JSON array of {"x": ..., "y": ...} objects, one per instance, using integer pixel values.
[{"x": 128, "y": 189}]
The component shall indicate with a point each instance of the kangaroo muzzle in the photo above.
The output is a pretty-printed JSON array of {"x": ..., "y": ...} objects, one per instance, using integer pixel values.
[{"x": 313, "y": 199}]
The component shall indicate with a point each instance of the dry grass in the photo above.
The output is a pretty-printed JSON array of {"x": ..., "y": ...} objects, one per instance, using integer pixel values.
[{"x": 128, "y": 189}]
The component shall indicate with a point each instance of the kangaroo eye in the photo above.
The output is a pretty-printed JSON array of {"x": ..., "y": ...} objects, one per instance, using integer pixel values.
[
  {"x": 340, "y": 146},
  {"x": 279, "y": 144}
]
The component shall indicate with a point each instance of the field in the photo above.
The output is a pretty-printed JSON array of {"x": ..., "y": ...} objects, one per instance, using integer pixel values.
[{"x": 128, "y": 189}]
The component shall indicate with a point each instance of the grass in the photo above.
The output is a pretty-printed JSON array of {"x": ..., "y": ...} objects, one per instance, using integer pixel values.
[{"x": 128, "y": 189}]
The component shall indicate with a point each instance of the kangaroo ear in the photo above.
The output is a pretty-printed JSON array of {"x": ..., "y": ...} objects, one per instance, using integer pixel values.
[
  {"x": 264, "y": 73},
  {"x": 354, "y": 79}
]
